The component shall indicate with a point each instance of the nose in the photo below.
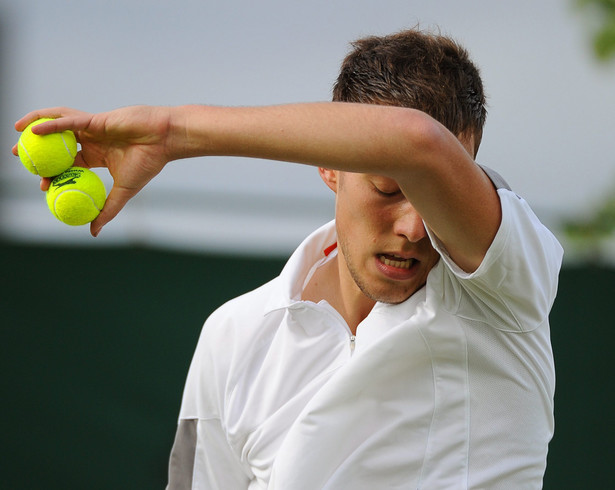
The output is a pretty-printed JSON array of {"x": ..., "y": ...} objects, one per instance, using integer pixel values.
[{"x": 409, "y": 224}]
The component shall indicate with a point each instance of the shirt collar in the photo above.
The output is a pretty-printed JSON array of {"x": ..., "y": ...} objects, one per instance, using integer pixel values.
[{"x": 313, "y": 250}]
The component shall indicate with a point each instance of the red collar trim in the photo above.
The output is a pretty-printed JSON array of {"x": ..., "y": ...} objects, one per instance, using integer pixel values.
[{"x": 330, "y": 249}]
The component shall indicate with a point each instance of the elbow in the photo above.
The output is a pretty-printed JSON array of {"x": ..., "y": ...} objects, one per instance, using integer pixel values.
[{"x": 424, "y": 141}]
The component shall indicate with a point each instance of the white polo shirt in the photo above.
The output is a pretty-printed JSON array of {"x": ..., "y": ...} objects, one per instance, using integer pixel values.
[{"x": 451, "y": 389}]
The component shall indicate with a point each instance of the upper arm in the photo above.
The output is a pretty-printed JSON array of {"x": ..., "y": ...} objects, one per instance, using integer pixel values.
[
  {"x": 453, "y": 195},
  {"x": 433, "y": 169}
]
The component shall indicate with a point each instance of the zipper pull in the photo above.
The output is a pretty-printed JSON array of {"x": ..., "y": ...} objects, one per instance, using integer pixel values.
[{"x": 352, "y": 339}]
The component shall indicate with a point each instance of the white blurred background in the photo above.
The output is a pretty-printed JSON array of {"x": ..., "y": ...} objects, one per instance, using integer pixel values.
[{"x": 549, "y": 129}]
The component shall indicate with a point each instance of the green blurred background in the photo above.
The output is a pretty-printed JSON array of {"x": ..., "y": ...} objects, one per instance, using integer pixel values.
[{"x": 97, "y": 342}]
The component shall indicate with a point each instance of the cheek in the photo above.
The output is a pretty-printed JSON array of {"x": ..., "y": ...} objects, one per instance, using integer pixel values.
[
  {"x": 358, "y": 216},
  {"x": 434, "y": 258},
  {"x": 366, "y": 212},
  {"x": 364, "y": 225}
]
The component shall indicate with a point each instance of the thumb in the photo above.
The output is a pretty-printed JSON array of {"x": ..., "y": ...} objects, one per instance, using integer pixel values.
[{"x": 116, "y": 200}]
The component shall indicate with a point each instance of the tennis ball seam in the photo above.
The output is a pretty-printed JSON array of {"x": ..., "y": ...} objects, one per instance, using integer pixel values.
[
  {"x": 55, "y": 200},
  {"x": 66, "y": 146},
  {"x": 28, "y": 154}
]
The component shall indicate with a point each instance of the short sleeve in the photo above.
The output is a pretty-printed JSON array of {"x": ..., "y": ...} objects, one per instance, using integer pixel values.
[{"x": 515, "y": 285}]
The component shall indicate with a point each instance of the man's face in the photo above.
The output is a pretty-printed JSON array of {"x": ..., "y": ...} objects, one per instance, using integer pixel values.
[{"x": 381, "y": 238}]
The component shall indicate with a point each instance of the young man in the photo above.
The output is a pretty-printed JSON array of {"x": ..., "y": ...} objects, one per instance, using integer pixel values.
[{"x": 405, "y": 345}]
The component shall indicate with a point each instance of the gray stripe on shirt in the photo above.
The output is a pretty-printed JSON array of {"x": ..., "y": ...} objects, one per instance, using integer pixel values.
[
  {"x": 496, "y": 178},
  {"x": 181, "y": 461}
]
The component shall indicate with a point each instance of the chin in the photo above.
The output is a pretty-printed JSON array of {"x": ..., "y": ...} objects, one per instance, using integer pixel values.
[{"x": 390, "y": 297}]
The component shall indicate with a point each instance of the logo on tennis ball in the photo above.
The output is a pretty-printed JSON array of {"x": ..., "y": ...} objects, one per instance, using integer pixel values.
[
  {"x": 76, "y": 196},
  {"x": 70, "y": 181}
]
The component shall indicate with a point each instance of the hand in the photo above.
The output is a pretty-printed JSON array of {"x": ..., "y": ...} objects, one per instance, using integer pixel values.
[{"x": 132, "y": 143}]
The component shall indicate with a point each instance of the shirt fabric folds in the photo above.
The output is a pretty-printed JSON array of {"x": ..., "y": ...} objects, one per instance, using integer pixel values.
[{"x": 452, "y": 388}]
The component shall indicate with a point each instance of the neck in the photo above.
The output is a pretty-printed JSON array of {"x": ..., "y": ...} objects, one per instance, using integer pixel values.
[{"x": 332, "y": 283}]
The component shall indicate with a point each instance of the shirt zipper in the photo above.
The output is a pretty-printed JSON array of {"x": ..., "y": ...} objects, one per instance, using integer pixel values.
[{"x": 333, "y": 312}]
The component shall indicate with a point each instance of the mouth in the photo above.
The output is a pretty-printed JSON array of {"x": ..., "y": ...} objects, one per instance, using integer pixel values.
[{"x": 397, "y": 261}]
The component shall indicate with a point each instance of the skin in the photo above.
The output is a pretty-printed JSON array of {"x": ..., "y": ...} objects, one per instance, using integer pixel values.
[
  {"x": 374, "y": 221},
  {"x": 395, "y": 169}
]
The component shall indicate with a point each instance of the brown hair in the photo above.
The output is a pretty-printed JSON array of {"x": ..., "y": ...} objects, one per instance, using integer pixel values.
[{"x": 424, "y": 71}]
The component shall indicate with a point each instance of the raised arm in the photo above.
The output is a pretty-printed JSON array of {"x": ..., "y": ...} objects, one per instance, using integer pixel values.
[{"x": 432, "y": 168}]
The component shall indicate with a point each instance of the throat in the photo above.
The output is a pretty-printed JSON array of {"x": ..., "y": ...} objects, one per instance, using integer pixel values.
[{"x": 349, "y": 301}]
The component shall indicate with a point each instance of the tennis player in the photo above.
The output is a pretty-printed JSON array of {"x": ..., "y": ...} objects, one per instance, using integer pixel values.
[{"x": 405, "y": 344}]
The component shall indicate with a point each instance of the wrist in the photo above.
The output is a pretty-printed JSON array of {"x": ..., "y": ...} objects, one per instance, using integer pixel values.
[{"x": 187, "y": 136}]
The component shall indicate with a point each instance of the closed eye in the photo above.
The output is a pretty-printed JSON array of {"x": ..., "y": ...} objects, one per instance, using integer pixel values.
[
  {"x": 385, "y": 187},
  {"x": 386, "y": 193}
]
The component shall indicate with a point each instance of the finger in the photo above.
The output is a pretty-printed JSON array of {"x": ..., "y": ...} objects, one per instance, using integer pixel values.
[
  {"x": 54, "y": 112},
  {"x": 116, "y": 200},
  {"x": 72, "y": 123},
  {"x": 63, "y": 119},
  {"x": 15, "y": 151},
  {"x": 80, "y": 162},
  {"x": 45, "y": 183}
]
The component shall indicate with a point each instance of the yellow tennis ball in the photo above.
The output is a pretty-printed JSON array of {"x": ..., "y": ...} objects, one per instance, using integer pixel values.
[
  {"x": 48, "y": 155},
  {"x": 76, "y": 196}
]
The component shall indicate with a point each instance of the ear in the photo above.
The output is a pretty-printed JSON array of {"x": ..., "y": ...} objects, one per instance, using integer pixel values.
[{"x": 329, "y": 177}]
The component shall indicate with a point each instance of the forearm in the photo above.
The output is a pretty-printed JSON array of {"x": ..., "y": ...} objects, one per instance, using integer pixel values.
[
  {"x": 433, "y": 169},
  {"x": 341, "y": 136}
]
